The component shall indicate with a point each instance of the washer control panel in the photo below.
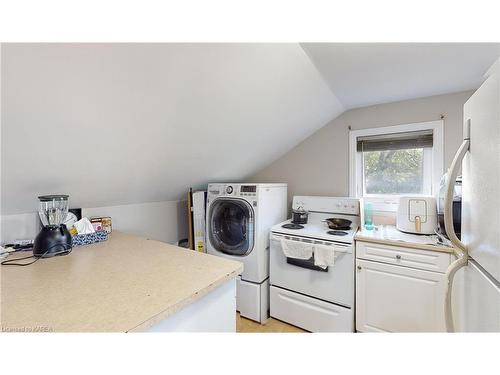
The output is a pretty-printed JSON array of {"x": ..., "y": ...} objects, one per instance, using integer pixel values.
[
  {"x": 248, "y": 190},
  {"x": 232, "y": 190}
]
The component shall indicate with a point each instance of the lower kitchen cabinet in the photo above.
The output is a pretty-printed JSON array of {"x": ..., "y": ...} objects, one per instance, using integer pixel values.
[{"x": 393, "y": 298}]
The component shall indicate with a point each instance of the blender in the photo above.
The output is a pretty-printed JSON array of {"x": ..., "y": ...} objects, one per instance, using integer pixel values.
[{"x": 54, "y": 238}]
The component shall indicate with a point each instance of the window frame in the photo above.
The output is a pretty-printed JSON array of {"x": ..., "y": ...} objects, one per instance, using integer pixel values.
[{"x": 389, "y": 202}]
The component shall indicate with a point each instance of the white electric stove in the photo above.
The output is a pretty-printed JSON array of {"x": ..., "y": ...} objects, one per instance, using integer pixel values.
[
  {"x": 303, "y": 294},
  {"x": 317, "y": 229}
]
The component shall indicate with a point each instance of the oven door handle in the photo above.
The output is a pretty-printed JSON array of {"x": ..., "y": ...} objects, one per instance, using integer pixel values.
[
  {"x": 305, "y": 263},
  {"x": 338, "y": 247}
]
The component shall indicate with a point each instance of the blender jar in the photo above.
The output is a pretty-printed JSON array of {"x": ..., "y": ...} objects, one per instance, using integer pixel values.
[{"x": 53, "y": 209}]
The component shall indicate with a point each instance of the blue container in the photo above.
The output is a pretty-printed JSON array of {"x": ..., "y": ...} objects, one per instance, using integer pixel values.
[
  {"x": 87, "y": 239},
  {"x": 368, "y": 216}
]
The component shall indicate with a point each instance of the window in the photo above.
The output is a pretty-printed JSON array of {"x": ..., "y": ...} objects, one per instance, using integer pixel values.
[
  {"x": 394, "y": 172},
  {"x": 392, "y": 161}
]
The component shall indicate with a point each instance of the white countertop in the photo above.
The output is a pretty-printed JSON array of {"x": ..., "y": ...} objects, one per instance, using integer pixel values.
[
  {"x": 126, "y": 283},
  {"x": 388, "y": 234}
]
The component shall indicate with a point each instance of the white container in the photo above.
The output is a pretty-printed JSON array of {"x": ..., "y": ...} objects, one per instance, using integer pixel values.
[
  {"x": 417, "y": 215},
  {"x": 199, "y": 206}
]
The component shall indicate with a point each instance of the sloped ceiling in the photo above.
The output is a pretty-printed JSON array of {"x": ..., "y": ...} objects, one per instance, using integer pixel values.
[
  {"x": 130, "y": 123},
  {"x": 126, "y": 123},
  {"x": 362, "y": 74}
]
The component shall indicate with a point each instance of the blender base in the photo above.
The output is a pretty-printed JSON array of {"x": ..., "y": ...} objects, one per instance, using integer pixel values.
[{"x": 52, "y": 240}]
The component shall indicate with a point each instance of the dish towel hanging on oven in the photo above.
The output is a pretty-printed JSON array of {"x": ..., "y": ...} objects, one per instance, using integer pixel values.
[
  {"x": 296, "y": 249},
  {"x": 324, "y": 256}
]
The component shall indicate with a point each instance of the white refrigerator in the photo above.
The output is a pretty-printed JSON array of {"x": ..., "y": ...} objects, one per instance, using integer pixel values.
[{"x": 473, "y": 297}]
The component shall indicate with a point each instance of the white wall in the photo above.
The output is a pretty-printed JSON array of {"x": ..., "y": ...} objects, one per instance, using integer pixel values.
[
  {"x": 114, "y": 124},
  {"x": 162, "y": 221},
  {"x": 320, "y": 164},
  {"x": 19, "y": 226}
]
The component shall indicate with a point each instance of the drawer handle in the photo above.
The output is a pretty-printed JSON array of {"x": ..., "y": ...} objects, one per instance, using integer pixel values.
[
  {"x": 359, "y": 267},
  {"x": 398, "y": 257}
]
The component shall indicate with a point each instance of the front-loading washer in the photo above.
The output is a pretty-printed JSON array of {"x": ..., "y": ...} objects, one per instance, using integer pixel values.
[{"x": 239, "y": 219}]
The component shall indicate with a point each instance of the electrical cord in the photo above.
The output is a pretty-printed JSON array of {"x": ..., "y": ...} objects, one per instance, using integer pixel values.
[{"x": 10, "y": 262}]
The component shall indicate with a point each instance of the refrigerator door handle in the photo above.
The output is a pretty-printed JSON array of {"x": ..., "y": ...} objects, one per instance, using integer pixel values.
[
  {"x": 460, "y": 249},
  {"x": 448, "y": 198}
]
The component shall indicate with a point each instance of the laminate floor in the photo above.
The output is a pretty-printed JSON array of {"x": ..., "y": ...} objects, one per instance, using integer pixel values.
[{"x": 245, "y": 325}]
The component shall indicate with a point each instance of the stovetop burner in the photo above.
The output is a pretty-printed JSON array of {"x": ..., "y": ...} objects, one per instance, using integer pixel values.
[
  {"x": 292, "y": 226},
  {"x": 337, "y": 233}
]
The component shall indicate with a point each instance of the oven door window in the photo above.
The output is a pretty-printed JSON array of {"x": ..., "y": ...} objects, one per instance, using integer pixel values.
[{"x": 231, "y": 226}]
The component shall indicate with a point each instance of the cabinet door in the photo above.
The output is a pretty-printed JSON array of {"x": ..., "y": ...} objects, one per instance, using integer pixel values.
[{"x": 398, "y": 299}]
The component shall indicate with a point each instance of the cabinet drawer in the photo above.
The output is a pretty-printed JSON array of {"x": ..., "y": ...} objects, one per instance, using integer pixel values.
[
  {"x": 248, "y": 299},
  {"x": 310, "y": 313},
  {"x": 422, "y": 259}
]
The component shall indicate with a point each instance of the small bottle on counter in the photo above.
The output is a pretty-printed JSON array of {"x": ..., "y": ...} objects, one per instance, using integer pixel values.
[{"x": 368, "y": 216}]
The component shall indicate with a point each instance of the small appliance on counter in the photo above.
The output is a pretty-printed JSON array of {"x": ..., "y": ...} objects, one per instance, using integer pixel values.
[
  {"x": 299, "y": 216},
  {"x": 54, "y": 238},
  {"x": 417, "y": 214}
]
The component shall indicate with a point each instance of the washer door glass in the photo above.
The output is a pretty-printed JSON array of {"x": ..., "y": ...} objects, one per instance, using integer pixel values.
[{"x": 231, "y": 228}]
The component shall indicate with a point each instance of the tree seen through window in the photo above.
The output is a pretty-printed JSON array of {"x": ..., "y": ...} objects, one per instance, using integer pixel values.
[{"x": 393, "y": 171}]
